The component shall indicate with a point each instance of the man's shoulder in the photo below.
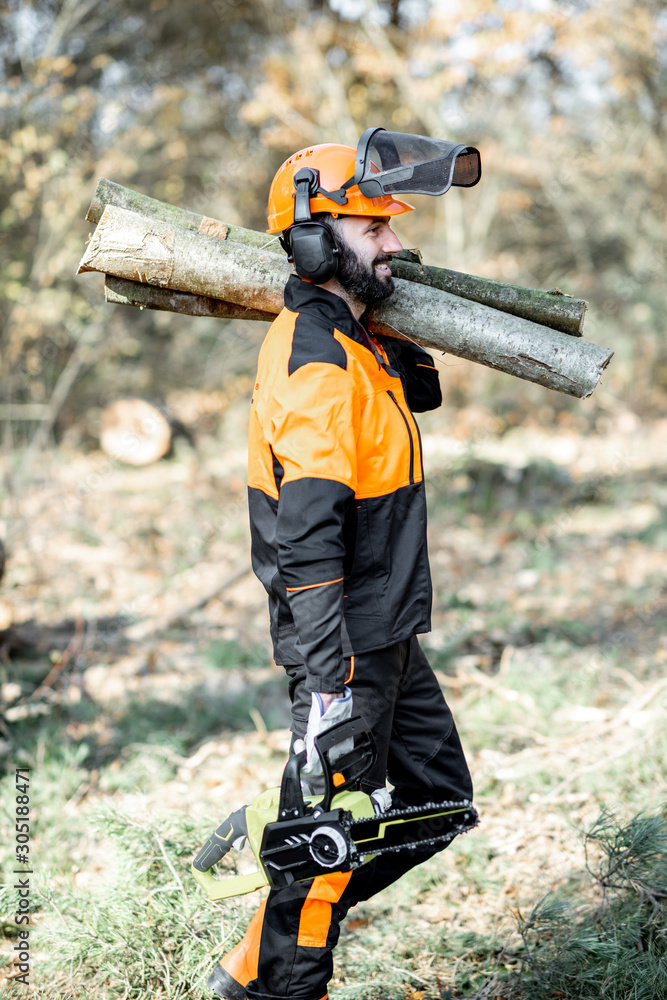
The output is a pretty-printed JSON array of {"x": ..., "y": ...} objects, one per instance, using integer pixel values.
[
  {"x": 295, "y": 339},
  {"x": 313, "y": 341}
]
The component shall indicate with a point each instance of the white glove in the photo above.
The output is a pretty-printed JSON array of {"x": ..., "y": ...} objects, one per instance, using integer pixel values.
[
  {"x": 319, "y": 721},
  {"x": 381, "y": 799}
]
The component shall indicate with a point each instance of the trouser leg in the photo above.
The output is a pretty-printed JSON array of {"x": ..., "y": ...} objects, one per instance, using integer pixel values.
[
  {"x": 301, "y": 929},
  {"x": 235, "y": 969},
  {"x": 400, "y": 699},
  {"x": 421, "y": 753},
  {"x": 398, "y": 696},
  {"x": 302, "y": 926},
  {"x": 425, "y": 759}
]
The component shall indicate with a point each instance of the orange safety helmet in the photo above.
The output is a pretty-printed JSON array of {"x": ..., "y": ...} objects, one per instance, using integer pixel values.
[{"x": 336, "y": 165}]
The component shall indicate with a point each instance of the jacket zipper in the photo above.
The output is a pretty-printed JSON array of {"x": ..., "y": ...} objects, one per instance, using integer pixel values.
[{"x": 407, "y": 426}]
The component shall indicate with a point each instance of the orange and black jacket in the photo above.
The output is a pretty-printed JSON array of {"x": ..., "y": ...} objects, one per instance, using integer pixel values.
[{"x": 335, "y": 485}]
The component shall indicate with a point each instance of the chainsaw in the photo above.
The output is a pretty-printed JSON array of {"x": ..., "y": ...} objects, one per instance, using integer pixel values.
[{"x": 295, "y": 837}]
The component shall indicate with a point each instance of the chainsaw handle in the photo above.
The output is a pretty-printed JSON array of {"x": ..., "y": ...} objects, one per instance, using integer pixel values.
[
  {"x": 354, "y": 766},
  {"x": 350, "y": 767},
  {"x": 291, "y": 797},
  {"x": 222, "y": 841}
]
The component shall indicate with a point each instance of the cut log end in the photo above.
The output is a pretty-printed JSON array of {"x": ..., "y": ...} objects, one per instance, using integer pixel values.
[
  {"x": 212, "y": 227},
  {"x": 135, "y": 432}
]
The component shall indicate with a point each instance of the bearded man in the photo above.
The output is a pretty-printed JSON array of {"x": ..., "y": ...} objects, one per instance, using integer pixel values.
[{"x": 338, "y": 524}]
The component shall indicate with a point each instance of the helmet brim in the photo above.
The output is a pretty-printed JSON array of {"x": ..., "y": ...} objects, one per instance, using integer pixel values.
[{"x": 384, "y": 206}]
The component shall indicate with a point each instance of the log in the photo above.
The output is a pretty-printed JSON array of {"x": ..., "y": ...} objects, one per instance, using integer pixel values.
[
  {"x": 133, "y": 293},
  {"x": 169, "y": 256},
  {"x": 498, "y": 340},
  {"x": 109, "y": 193},
  {"x": 135, "y": 432},
  {"x": 553, "y": 308},
  {"x": 160, "y": 253},
  {"x": 34, "y": 638}
]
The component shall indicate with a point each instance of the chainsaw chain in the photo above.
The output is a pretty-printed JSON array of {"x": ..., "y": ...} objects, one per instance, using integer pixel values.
[
  {"x": 408, "y": 811},
  {"x": 443, "y": 838},
  {"x": 405, "y": 813}
]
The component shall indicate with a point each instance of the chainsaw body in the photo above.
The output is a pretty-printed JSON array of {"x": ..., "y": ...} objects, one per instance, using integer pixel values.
[{"x": 295, "y": 838}]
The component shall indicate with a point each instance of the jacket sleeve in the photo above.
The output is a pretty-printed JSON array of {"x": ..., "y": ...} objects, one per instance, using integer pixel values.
[
  {"x": 314, "y": 444},
  {"x": 418, "y": 372}
]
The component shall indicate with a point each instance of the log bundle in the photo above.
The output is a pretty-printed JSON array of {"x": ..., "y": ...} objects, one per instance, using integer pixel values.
[{"x": 158, "y": 256}]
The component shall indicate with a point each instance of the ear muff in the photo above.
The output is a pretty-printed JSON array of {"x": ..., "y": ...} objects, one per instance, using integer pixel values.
[{"x": 312, "y": 247}]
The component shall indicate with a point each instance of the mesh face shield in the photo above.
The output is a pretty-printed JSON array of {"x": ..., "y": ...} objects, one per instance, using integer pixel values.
[{"x": 402, "y": 163}]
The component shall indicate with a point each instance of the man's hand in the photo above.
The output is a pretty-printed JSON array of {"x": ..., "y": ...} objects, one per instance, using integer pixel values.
[
  {"x": 328, "y": 698},
  {"x": 325, "y": 711}
]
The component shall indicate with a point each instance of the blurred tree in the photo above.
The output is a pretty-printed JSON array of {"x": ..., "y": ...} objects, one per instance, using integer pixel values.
[
  {"x": 568, "y": 104},
  {"x": 198, "y": 103},
  {"x": 152, "y": 97}
]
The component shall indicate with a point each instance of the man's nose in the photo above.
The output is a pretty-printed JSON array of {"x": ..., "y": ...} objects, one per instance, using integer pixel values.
[{"x": 391, "y": 243}]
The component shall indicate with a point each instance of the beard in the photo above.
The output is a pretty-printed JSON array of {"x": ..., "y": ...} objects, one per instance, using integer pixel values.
[{"x": 360, "y": 279}]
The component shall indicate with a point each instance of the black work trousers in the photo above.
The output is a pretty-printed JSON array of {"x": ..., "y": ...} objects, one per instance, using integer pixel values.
[{"x": 419, "y": 751}]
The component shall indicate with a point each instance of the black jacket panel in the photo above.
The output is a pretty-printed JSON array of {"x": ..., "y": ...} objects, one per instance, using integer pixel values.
[{"x": 418, "y": 372}]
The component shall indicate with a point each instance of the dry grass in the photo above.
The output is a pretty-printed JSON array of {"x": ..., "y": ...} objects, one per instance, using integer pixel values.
[{"x": 548, "y": 638}]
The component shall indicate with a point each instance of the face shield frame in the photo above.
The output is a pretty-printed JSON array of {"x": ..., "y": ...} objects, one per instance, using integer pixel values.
[
  {"x": 413, "y": 164},
  {"x": 312, "y": 246},
  {"x": 430, "y": 167}
]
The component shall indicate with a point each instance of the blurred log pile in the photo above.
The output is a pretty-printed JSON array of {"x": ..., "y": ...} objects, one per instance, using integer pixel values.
[{"x": 158, "y": 256}]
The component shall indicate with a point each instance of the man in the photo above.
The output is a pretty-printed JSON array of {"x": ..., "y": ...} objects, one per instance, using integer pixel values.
[{"x": 338, "y": 523}]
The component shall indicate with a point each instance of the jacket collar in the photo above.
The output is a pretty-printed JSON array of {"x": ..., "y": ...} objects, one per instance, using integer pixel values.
[{"x": 314, "y": 300}]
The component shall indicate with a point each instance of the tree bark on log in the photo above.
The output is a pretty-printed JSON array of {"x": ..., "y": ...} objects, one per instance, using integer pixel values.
[
  {"x": 109, "y": 193},
  {"x": 498, "y": 340},
  {"x": 120, "y": 291},
  {"x": 553, "y": 309},
  {"x": 169, "y": 256}
]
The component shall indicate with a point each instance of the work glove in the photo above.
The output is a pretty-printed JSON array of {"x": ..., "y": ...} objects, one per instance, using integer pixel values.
[
  {"x": 340, "y": 709},
  {"x": 381, "y": 799}
]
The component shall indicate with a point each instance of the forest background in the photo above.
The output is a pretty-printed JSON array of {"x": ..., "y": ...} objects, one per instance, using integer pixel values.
[{"x": 137, "y": 682}]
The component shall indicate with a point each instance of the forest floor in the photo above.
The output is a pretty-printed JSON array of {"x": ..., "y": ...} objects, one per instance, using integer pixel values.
[{"x": 151, "y": 707}]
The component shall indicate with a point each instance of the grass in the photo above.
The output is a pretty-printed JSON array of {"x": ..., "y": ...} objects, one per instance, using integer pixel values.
[
  {"x": 174, "y": 719},
  {"x": 117, "y": 915},
  {"x": 601, "y": 934},
  {"x": 142, "y": 930},
  {"x": 532, "y": 906}
]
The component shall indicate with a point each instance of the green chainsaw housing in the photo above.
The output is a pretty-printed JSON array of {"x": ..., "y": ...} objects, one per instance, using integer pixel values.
[{"x": 260, "y": 815}]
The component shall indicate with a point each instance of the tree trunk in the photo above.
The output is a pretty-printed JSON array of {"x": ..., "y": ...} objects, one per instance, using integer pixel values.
[
  {"x": 166, "y": 255},
  {"x": 554, "y": 309}
]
